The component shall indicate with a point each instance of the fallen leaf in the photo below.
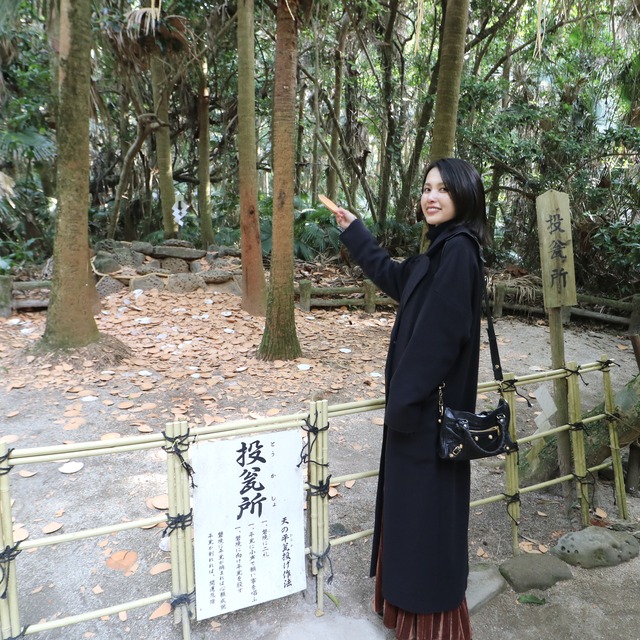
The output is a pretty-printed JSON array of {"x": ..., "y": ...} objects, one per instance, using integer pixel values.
[
  {"x": 97, "y": 589},
  {"x": 122, "y": 560},
  {"x": 123, "y": 616},
  {"x": 542, "y": 514},
  {"x": 163, "y": 610},
  {"x": 20, "y": 534},
  {"x": 71, "y": 467},
  {"x": 160, "y": 502},
  {"x": 52, "y": 527},
  {"x": 110, "y": 436},
  {"x": 160, "y": 568},
  {"x": 27, "y": 474},
  {"x": 529, "y": 598},
  {"x": 349, "y": 483},
  {"x": 600, "y": 513},
  {"x": 12, "y": 414}
]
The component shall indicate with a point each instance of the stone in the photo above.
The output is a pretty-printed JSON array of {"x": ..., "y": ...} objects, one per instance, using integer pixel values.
[
  {"x": 534, "y": 571},
  {"x": 108, "y": 285},
  {"x": 144, "y": 283},
  {"x": 185, "y": 283},
  {"x": 485, "y": 582},
  {"x": 178, "y": 252},
  {"x": 195, "y": 266},
  {"x": 142, "y": 247},
  {"x": 105, "y": 263},
  {"x": 175, "y": 265},
  {"x": 152, "y": 267},
  {"x": 215, "y": 276},
  {"x": 596, "y": 547}
]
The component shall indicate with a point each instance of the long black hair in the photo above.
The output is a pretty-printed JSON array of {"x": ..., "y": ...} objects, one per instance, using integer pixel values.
[{"x": 465, "y": 187}]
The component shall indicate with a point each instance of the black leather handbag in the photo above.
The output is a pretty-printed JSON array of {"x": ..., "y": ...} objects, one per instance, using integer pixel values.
[{"x": 468, "y": 436}]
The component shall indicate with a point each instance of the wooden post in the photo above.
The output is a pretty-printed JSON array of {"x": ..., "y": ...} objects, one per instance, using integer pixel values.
[
  {"x": 511, "y": 466},
  {"x": 498, "y": 300},
  {"x": 634, "y": 328},
  {"x": 559, "y": 290},
  {"x": 577, "y": 439},
  {"x": 5, "y": 296},
  {"x": 369, "y": 296},
  {"x": 305, "y": 294}
]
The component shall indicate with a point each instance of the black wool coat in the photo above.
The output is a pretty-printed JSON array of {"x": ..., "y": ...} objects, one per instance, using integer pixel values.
[{"x": 422, "y": 506}]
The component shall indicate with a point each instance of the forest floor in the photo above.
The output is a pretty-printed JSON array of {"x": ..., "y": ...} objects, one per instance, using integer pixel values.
[{"x": 193, "y": 356}]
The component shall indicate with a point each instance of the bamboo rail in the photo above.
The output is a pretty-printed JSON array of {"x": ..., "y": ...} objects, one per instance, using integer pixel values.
[{"x": 177, "y": 439}]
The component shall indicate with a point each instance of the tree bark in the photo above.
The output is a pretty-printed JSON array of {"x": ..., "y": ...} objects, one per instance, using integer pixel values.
[
  {"x": 70, "y": 320},
  {"x": 448, "y": 92},
  {"x": 541, "y": 463},
  {"x": 279, "y": 340},
  {"x": 254, "y": 288},
  {"x": 159, "y": 83},
  {"x": 204, "y": 170}
]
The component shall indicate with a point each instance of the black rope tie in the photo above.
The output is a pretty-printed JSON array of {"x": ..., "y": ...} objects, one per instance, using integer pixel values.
[
  {"x": 186, "y": 599},
  {"x": 307, "y": 447},
  {"x": 509, "y": 500},
  {"x": 321, "y": 489},
  {"x": 605, "y": 364},
  {"x": 510, "y": 385},
  {"x": 578, "y": 426},
  {"x": 5, "y": 458},
  {"x": 180, "y": 521},
  {"x": 577, "y": 372},
  {"x": 179, "y": 446},
  {"x": 590, "y": 481},
  {"x": 7, "y": 556},
  {"x": 320, "y": 560}
]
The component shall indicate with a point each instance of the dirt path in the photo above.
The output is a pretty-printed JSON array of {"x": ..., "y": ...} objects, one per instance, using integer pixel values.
[{"x": 193, "y": 356}]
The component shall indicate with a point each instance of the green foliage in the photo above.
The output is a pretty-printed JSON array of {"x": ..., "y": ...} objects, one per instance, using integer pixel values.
[
  {"x": 314, "y": 231},
  {"x": 14, "y": 255}
]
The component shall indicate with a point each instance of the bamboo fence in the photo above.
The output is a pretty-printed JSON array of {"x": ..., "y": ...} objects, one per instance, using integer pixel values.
[{"x": 177, "y": 439}]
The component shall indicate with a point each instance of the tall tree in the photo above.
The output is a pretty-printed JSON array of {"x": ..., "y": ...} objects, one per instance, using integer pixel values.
[
  {"x": 280, "y": 340},
  {"x": 451, "y": 58},
  {"x": 161, "y": 90},
  {"x": 204, "y": 172},
  {"x": 70, "y": 321},
  {"x": 254, "y": 288}
]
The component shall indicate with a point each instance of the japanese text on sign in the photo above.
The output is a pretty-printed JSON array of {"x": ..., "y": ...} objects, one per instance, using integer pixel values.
[{"x": 248, "y": 521}]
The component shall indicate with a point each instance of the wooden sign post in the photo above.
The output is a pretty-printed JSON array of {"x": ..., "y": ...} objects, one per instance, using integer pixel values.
[{"x": 559, "y": 290}]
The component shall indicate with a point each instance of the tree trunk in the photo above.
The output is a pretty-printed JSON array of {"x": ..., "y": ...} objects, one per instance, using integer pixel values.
[
  {"x": 448, "y": 93},
  {"x": 204, "y": 171},
  {"x": 540, "y": 464},
  {"x": 161, "y": 92},
  {"x": 332, "y": 171},
  {"x": 254, "y": 288},
  {"x": 389, "y": 151},
  {"x": 70, "y": 321},
  {"x": 280, "y": 340}
]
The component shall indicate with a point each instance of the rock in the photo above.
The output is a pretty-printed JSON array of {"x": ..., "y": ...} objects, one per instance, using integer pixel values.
[
  {"x": 185, "y": 283},
  {"x": 108, "y": 285},
  {"x": 215, "y": 276},
  {"x": 195, "y": 266},
  {"x": 151, "y": 267},
  {"x": 484, "y": 583},
  {"x": 146, "y": 282},
  {"x": 105, "y": 263},
  {"x": 142, "y": 247},
  {"x": 596, "y": 547},
  {"x": 175, "y": 265},
  {"x": 534, "y": 571},
  {"x": 175, "y": 242},
  {"x": 178, "y": 252}
]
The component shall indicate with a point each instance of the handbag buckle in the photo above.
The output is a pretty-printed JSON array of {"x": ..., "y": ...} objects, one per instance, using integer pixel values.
[{"x": 455, "y": 451}]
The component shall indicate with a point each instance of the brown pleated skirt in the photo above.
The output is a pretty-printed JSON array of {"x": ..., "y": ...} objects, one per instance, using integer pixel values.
[{"x": 445, "y": 625}]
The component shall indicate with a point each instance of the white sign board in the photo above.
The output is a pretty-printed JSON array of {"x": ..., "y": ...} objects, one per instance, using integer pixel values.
[{"x": 248, "y": 521}]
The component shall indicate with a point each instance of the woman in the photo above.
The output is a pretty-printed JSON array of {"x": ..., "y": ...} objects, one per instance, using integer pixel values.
[{"x": 422, "y": 509}]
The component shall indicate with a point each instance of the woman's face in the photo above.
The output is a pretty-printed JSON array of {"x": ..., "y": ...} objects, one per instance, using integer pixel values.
[{"x": 437, "y": 205}]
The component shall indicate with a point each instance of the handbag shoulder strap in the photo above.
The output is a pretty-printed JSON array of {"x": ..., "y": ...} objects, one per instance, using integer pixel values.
[{"x": 493, "y": 342}]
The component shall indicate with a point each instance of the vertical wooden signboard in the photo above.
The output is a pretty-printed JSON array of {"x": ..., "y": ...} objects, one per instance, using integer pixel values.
[
  {"x": 556, "y": 250},
  {"x": 248, "y": 521}
]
